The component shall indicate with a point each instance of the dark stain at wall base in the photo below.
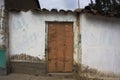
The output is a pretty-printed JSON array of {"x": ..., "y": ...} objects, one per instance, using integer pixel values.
[
  {"x": 25, "y": 57},
  {"x": 87, "y": 72},
  {"x": 78, "y": 72},
  {"x": 3, "y": 71},
  {"x": 23, "y": 63},
  {"x": 29, "y": 68}
]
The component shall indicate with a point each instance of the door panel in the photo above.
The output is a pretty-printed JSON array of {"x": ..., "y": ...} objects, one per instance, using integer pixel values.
[{"x": 60, "y": 47}]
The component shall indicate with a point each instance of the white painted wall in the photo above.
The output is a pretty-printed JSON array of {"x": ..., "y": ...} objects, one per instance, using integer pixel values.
[
  {"x": 100, "y": 42},
  {"x": 1, "y": 3},
  {"x": 27, "y": 32}
]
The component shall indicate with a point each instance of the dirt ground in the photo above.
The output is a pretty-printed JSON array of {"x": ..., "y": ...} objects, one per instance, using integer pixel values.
[{"x": 15, "y": 76}]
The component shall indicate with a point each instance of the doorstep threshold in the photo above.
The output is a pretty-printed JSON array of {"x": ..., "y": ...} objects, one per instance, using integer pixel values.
[{"x": 60, "y": 74}]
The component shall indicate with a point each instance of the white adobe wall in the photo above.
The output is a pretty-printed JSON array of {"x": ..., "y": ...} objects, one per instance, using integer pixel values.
[
  {"x": 100, "y": 42},
  {"x": 1, "y": 3},
  {"x": 27, "y": 32}
]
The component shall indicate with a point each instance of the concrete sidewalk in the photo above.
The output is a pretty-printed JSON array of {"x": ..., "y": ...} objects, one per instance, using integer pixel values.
[{"x": 15, "y": 76}]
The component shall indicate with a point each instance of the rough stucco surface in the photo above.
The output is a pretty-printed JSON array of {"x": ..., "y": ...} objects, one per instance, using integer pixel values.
[
  {"x": 1, "y": 23},
  {"x": 27, "y": 32},
  {"x": 101, "y": 43}
]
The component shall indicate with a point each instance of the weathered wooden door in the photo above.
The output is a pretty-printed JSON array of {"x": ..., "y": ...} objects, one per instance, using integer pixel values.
[{"x": 60, "y": 47}]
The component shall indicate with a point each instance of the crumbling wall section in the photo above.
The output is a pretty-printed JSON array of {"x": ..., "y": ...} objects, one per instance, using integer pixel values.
[
  {"x": 3, "y": 37},
  {"x": 2, "y": 28}
]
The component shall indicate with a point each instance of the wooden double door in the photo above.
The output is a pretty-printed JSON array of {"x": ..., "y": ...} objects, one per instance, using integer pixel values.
[{"x": 60, "y": 47}]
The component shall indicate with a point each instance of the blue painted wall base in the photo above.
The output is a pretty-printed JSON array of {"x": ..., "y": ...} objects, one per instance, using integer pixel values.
[{"x": 3, "y": 70}]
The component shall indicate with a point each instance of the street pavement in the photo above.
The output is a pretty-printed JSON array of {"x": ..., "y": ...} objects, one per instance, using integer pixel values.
[{"x": 16, "y": 76}]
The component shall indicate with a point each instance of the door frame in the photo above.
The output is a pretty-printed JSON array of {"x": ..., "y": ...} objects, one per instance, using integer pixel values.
[{"x": 46, "y": 44}]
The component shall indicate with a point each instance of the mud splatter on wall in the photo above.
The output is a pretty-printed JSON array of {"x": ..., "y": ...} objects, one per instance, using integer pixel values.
[{"x": 25, "y": 57}]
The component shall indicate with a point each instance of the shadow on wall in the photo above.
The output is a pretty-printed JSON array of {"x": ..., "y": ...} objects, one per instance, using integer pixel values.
[{"x": 88, "y": 72}]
